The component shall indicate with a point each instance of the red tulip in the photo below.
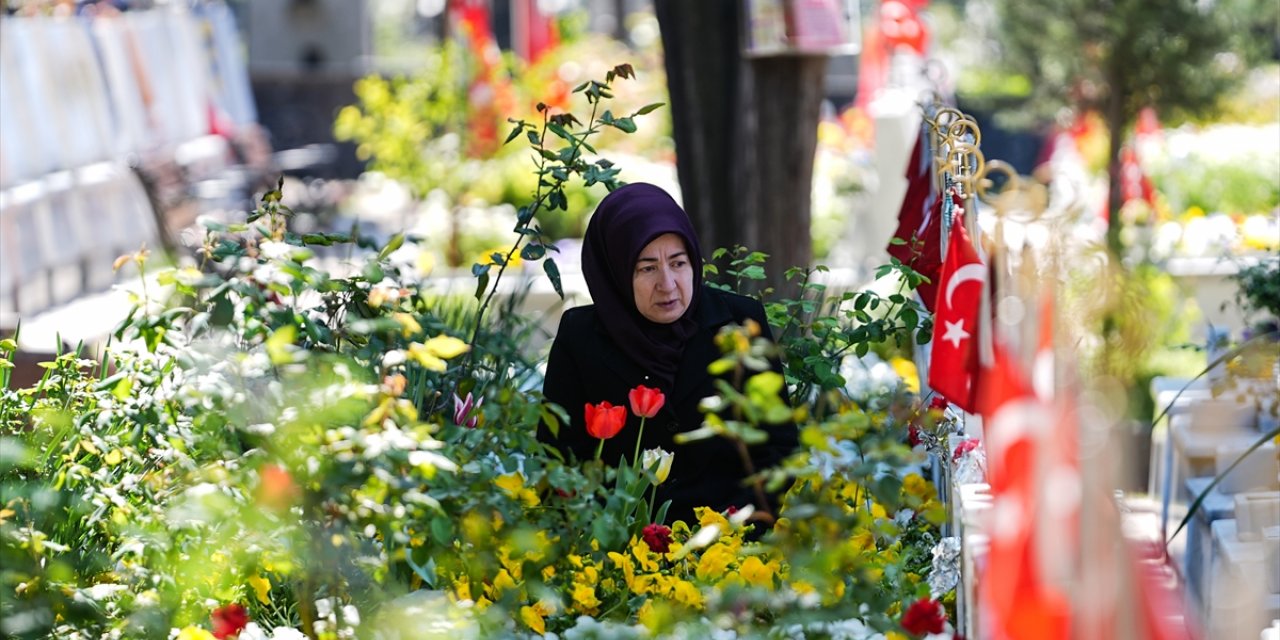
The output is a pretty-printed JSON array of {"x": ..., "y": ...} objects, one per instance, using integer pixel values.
[
  {"x": 229, "y": 620},
  {"x": 646, "y": 402},
  {"x": 924, "y": 617},
  {"x": 604, "y": 420}
]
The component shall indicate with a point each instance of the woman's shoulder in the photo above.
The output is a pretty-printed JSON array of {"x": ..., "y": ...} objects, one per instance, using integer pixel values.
[
  {"x": 578, "y": 317},
  {"x": 737, "y": 304}
]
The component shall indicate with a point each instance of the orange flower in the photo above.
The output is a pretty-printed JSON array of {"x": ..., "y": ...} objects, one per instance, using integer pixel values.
[
  {"x": 604, "y": 420},
  {"x": 646, "y": 402},
  {"x": 276, "y": 488}
]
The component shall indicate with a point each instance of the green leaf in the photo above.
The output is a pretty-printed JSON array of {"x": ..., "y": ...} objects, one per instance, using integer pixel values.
[
  {"x": 478, "y": 269},
  {"x": 553, "y": 273},
  {"x": 533, "y": 251},
  {"x": 648, "y": 108},
  {"x": 373, "y": 272},
  {"x": 626, "y": 125},
  {"x": 515, "y": 133},
  {"x": 394, "y": 243},
  {"x": 482, "y": 284}
]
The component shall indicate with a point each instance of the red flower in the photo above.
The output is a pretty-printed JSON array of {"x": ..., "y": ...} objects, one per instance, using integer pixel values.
[
  {"x": 604, "y": 420},
  {"x": 646, "y": 402},
  {"x": 913, "y": 436},
  {"x": 229, "y": 620},
  {"x": 964, "y": 447},
  {"x": 658, "y": 537},
  {"x": 924, "y": 617},
  {"x": 938, "y": 402}
]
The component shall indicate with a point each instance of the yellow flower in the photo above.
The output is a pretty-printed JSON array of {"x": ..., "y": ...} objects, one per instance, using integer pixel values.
[
  {"x": 195, "y": 633},
  {"x": 409, "y": 326},
  {"x": 714, "y": 561},
  {"x": 917, "y": 486},
  {"x": 894, "y": 635},
  {"x": 862, "y": 541},
  {"x": 502, "y": 582},
  {"x": 584, "y": 598},
  {"x": 686, "y": 593},
  {"x": 646, "y": 559},
  {"x": 462, "y": 589},
  {"x": 261, "y": 587},
  {"x": 513, "y": 485},
  {"x": 624, "y": 563},
  {"x": 708, "y": 516},
  {"x": 432, "y": 354},
  {"x": 649, "y": 616},
  {"x": 548, "y": 572},
  {"x": 906, "y": 370},
  {"x": 757, "y": 573},
  {"x": 533, "y": 618}
]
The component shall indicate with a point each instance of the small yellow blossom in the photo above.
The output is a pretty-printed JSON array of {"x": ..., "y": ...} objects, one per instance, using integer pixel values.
[
  {"x": 409, "y": 326},
  {"x": 261, "y": 588},
  {"x": 533, "y": 616},
  {"x": 906, "y": 370},
  {"x": 756, "y": 572},
  {"x": 584, "y": 598},
  {"x": 714, "y": 561},
  {"x": 195, "y": 633},
  {"x": 708, "y": 516},
  {"x": 686, "y": 593},
  {"x": 513, "y": 485}
]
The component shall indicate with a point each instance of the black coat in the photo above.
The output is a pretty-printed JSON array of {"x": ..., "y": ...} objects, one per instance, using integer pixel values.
[{"x": 586, "y": 367}]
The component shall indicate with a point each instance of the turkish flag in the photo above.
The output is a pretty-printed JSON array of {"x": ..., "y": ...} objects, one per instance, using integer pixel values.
[
  {"x": 915, "y": 204},
  {"x": 954, "y": 364},
  {"x": 1018, "y": 599}
]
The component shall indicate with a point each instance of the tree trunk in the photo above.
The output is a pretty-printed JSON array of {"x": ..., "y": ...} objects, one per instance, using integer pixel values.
[
  {"x": 745, "y": 134},
  {"x": 705, "y": 77},
  {"x": 789, "y": 94}
]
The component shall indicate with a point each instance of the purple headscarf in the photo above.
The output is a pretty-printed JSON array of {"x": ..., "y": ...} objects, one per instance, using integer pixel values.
[{"x": 626, "y": 221}]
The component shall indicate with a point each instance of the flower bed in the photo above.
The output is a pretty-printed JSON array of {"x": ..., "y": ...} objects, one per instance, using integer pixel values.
[{"x": 277, "y": 452}]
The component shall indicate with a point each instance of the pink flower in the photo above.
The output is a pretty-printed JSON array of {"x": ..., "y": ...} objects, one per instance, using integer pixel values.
[
  {"x": 658, "y": 537},
  {"x": 462, "y": 409}
]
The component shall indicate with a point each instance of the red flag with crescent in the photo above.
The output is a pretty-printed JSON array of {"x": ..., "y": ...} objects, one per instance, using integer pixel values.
[{"x": 954, "y": 364}]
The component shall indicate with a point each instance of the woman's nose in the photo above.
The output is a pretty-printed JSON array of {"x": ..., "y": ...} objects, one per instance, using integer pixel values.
[{"x": 668, "y": 279}]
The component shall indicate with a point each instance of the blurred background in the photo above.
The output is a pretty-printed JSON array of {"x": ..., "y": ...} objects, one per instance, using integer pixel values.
[{"x": 126, "y": 122}]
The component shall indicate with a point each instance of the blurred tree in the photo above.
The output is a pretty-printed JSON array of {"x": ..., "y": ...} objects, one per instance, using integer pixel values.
[
  {"x": 1118, "y": 56},
  {"x": 745, "y": 132}
]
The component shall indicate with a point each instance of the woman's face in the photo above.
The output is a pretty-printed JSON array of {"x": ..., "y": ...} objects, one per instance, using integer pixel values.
[{"x": 663, "y": 279}]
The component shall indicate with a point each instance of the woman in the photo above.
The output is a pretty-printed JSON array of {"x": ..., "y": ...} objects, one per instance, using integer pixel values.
[{"x": 653, "y": 323}]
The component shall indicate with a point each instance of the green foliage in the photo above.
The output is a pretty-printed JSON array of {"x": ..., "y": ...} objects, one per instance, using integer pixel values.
[
  {"x": 1241, "y": 185},
  {"x": 1178, "y": 57},
  {"x": 819, "y": 330},
  {"x": 1259, "y": 291}
]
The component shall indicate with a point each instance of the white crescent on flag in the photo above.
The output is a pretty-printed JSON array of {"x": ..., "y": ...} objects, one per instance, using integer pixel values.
[{"x": 972, "y": 271}]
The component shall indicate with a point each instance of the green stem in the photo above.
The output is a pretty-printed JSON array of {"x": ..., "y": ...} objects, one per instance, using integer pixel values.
[
  {"x": 599, "y": 448},
  {"x": 635, "y": 457}
]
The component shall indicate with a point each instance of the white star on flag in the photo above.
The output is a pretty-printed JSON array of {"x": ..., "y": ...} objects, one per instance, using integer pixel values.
[{"x": 955, "y": 332}]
